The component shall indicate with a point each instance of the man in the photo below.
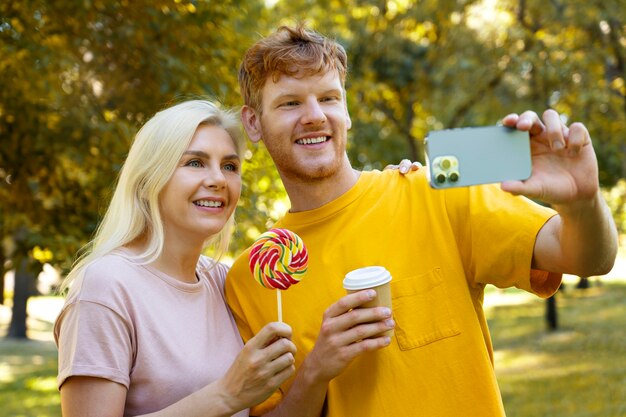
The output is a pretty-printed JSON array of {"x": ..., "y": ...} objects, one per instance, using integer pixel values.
[{"x": 441, "y": 247}]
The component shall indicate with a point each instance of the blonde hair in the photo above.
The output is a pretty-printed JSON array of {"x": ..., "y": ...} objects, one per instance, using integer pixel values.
[
  {"x": 134, "y": 208},
  {"x": 288, "y": 51}
]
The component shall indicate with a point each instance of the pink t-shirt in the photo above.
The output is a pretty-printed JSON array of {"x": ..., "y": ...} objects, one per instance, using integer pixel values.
[{"x": 161, "y": 338}]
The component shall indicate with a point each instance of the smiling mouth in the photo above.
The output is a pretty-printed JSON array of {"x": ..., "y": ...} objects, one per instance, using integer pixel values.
[
  {"x": 208, "y": 203},
  {"x": 312, "y": 141}
]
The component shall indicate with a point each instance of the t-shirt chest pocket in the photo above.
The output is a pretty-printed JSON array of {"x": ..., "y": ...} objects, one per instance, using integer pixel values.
[{"x": 421, "y": 310}]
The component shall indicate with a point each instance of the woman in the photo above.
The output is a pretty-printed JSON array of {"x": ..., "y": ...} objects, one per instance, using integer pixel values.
[{"x": 145, "y": 328}]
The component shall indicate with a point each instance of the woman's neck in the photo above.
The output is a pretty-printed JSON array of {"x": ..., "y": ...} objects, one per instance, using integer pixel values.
[{"x": 177, "y": 259}]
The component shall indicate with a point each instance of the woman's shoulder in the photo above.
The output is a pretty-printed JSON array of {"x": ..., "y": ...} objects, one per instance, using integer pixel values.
[{"x": 108, "y": 273}]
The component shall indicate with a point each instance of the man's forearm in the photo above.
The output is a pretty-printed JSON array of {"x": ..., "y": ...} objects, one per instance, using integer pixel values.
[
  {"x": 305, "y": 397},
  {"x": 587, "y": 237}
]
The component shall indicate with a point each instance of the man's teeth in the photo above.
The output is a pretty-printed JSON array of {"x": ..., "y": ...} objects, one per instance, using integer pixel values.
[
  {"x": 208, "y": 203},
  {"x": 310, "y": 141}
]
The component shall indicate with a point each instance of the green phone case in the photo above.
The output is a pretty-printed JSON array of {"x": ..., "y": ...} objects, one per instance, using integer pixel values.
[{"x": 477, "y": 155}]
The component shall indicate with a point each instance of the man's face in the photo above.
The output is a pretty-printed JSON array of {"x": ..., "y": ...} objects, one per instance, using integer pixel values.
[{"x": 304, "y": 124}]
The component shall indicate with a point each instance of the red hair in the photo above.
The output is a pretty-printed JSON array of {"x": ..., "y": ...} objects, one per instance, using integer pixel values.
[{"x": 288, "y": 51}]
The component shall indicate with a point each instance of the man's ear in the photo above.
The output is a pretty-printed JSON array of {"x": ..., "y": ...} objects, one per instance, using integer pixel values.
[
  {"x": 252, "y": 123},
  {"x": 348, "y": 120}
]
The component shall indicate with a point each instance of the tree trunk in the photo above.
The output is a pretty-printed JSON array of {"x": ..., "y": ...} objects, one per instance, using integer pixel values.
[
  {"x": 583, "y": 283},
  {"x": 3, "y": 259},
  {"x": 25, "y": 279},
  {"x": 2, "y": 273},
  {"x": 551, "y": 314}
]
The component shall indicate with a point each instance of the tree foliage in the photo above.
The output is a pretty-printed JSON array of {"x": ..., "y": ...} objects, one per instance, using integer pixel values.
[
  {"x": 79, "y": 77},
  {"x": 423, "y": 65}
]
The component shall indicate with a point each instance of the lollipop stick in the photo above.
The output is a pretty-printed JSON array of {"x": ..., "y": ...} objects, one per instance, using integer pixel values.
[{"x": 280, "y": 306}]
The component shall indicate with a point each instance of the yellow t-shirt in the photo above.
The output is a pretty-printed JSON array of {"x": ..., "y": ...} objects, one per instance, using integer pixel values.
[{"x": 441, "y": 248}]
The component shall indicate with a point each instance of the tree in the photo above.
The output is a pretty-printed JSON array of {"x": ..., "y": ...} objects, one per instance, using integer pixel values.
[
  {"x": 78, "y": 80},
  {"x": 419, "y": 66}
]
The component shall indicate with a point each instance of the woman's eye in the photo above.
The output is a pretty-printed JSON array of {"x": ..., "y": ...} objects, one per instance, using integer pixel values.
[
  {"x": 194, "y": 163},
  {"x": 231, "y": 167}
]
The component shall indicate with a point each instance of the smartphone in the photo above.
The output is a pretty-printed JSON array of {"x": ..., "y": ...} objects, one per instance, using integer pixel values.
[{"x": 477, "y": 155}]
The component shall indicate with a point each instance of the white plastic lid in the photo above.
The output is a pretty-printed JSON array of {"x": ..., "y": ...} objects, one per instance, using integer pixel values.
[{"x": 368, "y": 277}]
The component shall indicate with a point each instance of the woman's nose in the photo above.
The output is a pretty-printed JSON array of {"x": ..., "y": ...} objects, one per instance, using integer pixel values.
[{"x": 214, "y": 178}]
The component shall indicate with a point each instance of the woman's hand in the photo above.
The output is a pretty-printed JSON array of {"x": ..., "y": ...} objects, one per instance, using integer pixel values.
[
  {"x": 265, "y": 362},
  {"x": 405, "y": 166}
]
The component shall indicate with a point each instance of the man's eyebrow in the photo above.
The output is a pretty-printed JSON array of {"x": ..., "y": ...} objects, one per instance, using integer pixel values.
[
  {"x": 291, "y": 96},
  {"x": 283, "y": 96}
]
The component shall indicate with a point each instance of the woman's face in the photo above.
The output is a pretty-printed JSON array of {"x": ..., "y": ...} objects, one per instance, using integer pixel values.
[{"x": 204, "y": 189}]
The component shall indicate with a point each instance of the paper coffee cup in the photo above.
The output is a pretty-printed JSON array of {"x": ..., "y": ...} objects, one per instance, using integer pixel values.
[{"x": 376, "y": 278}]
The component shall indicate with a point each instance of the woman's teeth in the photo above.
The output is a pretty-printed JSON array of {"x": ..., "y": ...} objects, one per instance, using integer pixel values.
[{"x": 208, "y": 203}]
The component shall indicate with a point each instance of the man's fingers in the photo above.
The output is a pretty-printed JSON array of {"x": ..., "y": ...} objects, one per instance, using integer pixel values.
[
  {"x": 357, "y": 324},
  {"x": 530, "y": 121},
  {"x": 556, "y": 131},
  {"x": 577, "y": 139},
  {"x": 349, "y": 302},
  {"x": 365, "y": 345},
  {"x": 510, "y": 120}
]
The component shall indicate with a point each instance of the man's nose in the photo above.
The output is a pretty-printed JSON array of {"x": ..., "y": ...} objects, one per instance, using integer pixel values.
[{"x": 313, "y": 113}]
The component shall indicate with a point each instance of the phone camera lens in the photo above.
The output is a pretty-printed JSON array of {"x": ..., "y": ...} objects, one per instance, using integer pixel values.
[
  {"x": 446, "y": 164},
  {"x": 454, "y": 176},
  {"x": 441, "y": 178}
]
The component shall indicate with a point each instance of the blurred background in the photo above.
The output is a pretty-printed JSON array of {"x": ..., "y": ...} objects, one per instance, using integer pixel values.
[{"x": 79, "y": 77}]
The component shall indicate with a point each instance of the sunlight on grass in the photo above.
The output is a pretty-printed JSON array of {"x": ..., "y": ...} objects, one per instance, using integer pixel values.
[
  {"x": 28, "y": 379},
  {"x": 5, "y": 373},
  {"x": 576, "y": 371},
  {"x": 42, "y": 384}
]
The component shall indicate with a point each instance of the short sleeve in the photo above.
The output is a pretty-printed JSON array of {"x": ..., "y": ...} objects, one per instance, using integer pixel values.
[
  {"x": 93, "y": 340},
  {"x": 544, "y": 283},
  {"x": 497, "y": 238}
]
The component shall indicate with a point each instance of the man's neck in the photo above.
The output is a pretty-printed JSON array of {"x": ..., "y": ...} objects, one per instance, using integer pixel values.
[{"x": 311, "y": 195}]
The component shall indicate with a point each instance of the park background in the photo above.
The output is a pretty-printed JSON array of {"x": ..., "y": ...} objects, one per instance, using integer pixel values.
[{"x": 79, "y": 77}]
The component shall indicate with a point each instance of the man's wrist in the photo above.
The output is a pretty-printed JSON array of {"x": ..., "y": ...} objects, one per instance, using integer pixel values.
[
  {"x": 312, "y": 374},
  {"x": 581, "y": 207}
]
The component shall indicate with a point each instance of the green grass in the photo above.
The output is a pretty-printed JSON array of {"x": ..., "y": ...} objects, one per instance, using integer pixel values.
[
  {"x": 28, "y": 379},
  {"x": 577, "y": 371},
  {"x": 28, "y": 367}
]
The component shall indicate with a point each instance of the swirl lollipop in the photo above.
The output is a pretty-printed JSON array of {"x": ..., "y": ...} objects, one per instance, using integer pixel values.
[{"x": 278, "y": 259}]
